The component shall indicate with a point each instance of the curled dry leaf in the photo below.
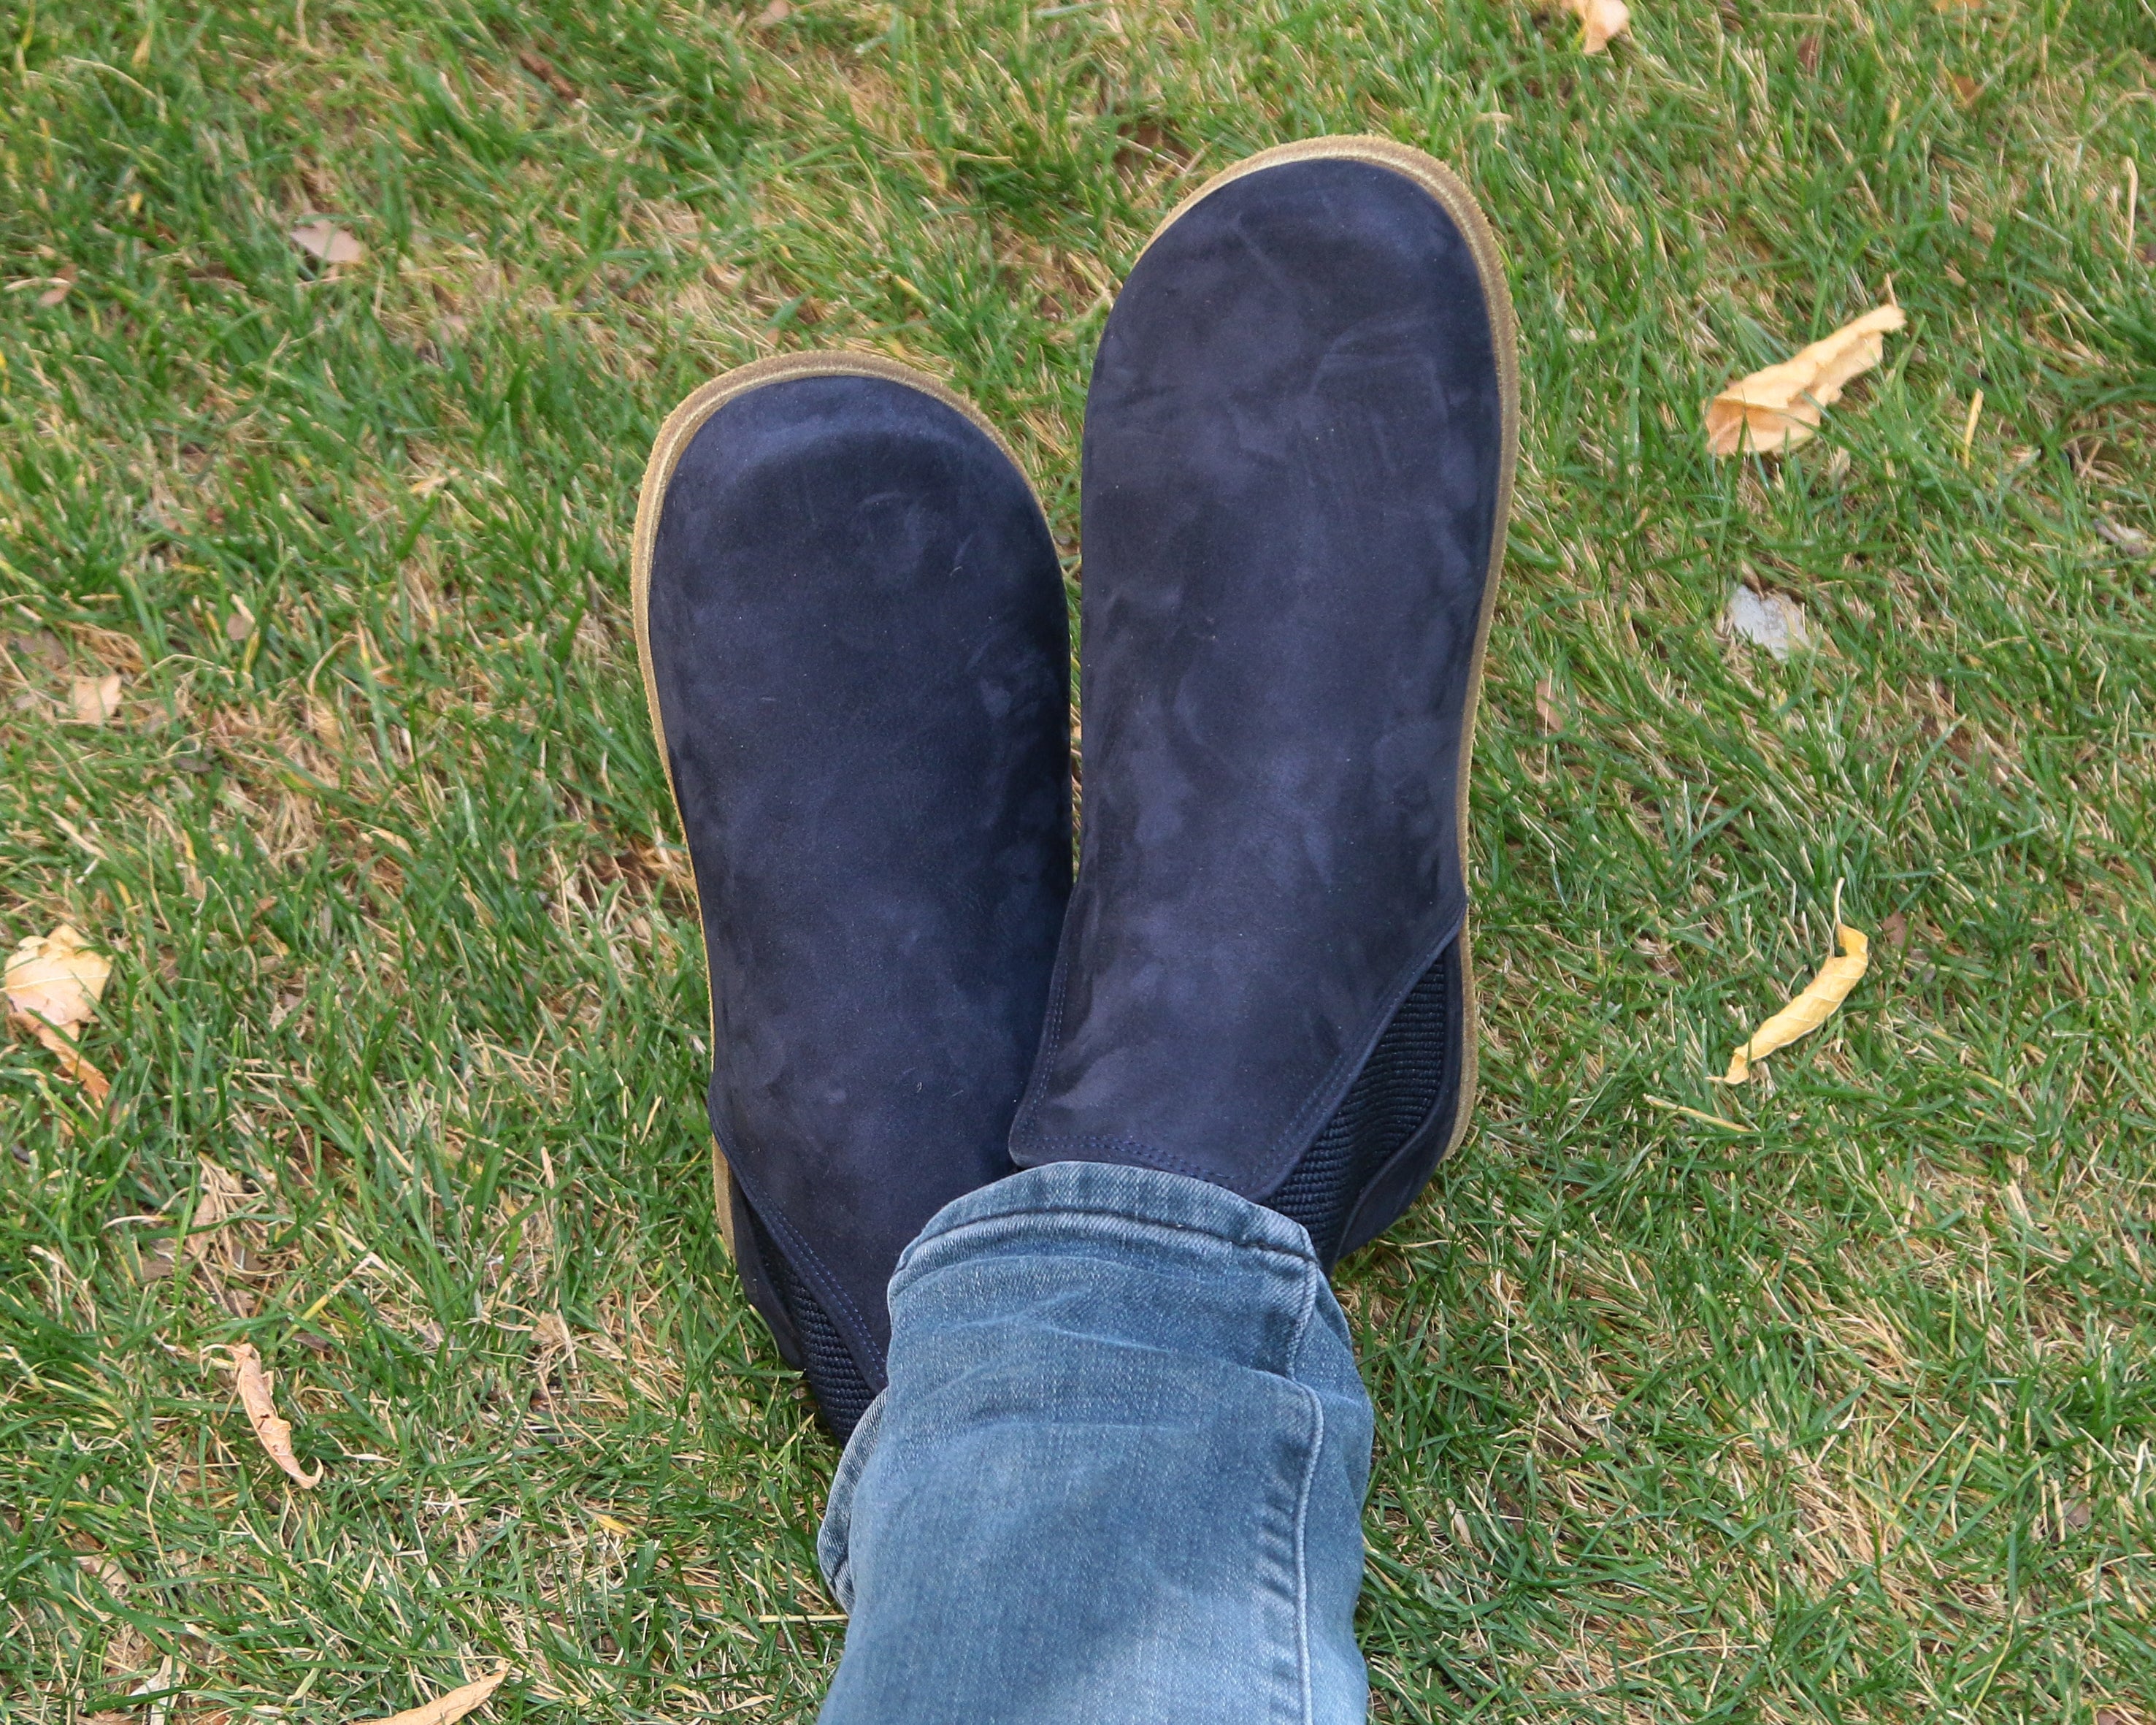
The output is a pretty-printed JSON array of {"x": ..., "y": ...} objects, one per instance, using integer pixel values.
[
  {"x": 59, "y": 291},
  {"x": 1781, "y": 407},
  {"x": 1813, "y": 1007},
  {"x": 273, "y": 1434},
  {"x": 94, "y": 699},
  {"x": 444, "y": 1709},
  {"x": 53, "y": 983},
  {"x": 1600, "y": 20},
  {"x": 327, "y": 241}
]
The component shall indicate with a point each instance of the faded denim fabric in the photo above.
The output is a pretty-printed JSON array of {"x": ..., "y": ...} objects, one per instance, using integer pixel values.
[{"x": 1117, "y": 1476}]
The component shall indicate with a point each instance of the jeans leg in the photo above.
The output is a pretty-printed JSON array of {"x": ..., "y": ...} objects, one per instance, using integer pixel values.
[{"x": 1117, "y": 1476}]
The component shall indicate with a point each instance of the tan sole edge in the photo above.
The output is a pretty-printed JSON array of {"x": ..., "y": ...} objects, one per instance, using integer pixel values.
[
  {"x": 680, "y": 425},
  {"x": 722, "y": 1195},
  {"x": 1460, "y": 204}
]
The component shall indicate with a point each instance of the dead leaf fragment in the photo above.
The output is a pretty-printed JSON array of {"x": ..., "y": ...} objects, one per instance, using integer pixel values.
[
  {"x": 552, "y": 1333},
  {"x": 1600, "y": 20},
  {"x": 1546, "y": 713},
  {"x": 57, "y": 978},
  {"x": 52, "y": 984},
  {"x": 777, "y": 12},
  {"x": 543, "y": 69},
  {"x": 240, "y": 623},
  {"x": 273, "y": 1434},
  {"x": 1821, "y": 996},
  {"x": 1772, "y": 620},
  {"x": 161, "y": 1687},
  {"x": 1780, "y": 407},
  {"x": 213, "y": 1240},
  {"x": 2129, "y": 539},
  {"x": 327, "y": 241},
  {"x": 59, "y": 291},
  {"x": 94, "y": 699},
  {"x": 444, "y": 1709}
]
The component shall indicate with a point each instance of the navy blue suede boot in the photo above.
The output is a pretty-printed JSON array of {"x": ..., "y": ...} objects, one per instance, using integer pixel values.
[
  {"x": 855, "y": 648},
  {"x": 1298, "y": 460}
]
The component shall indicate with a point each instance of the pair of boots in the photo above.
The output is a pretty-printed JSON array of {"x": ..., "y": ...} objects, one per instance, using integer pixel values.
[{"x": 1298, "y": 456}]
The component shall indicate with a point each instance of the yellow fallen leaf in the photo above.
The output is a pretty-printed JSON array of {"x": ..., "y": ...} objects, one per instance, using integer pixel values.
[
  {"x": 443, "y": 1709},
  {"x": 95, "y": 698},
  {"x": 52, "y": 984},
  {"x": 57, "y": 977},
  {"x": 273, "y": 1434},
  {"x": 329, "y": 242},
  {"x": 1600, "y": 20},
  {"x": 1810, "y": 1009},
  {"x": 1781, "y": 407}
]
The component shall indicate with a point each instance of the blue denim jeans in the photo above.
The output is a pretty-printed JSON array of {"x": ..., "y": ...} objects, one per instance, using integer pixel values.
[{"x": 1117, "y": 1476}]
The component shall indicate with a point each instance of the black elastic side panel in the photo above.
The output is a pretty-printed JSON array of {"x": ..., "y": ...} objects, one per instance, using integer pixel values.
[
  {"x": 827, "y": 1362},
  {"x": 1388, "y": 1102},
  {"x": 751, "y": 1251}
]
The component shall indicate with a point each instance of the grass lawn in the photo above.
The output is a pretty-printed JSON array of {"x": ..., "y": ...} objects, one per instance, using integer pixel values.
[{"x": 1843, "y": 1409}]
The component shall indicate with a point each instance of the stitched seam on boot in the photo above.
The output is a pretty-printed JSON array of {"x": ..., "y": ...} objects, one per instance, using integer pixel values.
[
  {"x": 807, "y": 1261},
  {"x": 1406, "y": 1070},
  {"x": 1140, "y": 1151},
  {"x": 1302, "y": 1129},
  {"x": 1298, "y": 1133},
  {"x": 1051, "y": 1042}
]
